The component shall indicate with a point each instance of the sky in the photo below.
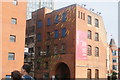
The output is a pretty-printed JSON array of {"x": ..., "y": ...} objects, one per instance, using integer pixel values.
[{"x": 108, "y": 9}]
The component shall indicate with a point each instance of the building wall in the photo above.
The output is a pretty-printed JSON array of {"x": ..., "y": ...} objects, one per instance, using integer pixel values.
[
  {"x": 72, "y": 24},
  {"x": 92, "y": 62},
  {"x": 70, "y": 38},
  {"x": 13, "y": 11}
]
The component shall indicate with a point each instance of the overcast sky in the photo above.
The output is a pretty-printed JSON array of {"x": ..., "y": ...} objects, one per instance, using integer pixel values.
[{"x": 108, "y": 8}]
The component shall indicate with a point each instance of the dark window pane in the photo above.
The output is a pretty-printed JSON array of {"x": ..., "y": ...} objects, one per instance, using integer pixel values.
[
  {"x": 89, "y": 20},
  {"x": 48, "y": 22},
  {"x": 38, "y": 37},
  {"x": 39, "y": 24},
  {"x": 63, "y": 17},
  {"x": 56, "y": 19},
  {"x": 63, "y": 32},
  {"x": 56, "y": 35}
]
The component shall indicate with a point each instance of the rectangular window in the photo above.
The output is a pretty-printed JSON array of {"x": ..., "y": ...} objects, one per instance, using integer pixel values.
[
  {"x": 83, "y": 16},
  {"x": 31, "y": 50},
  {"x": 48, "y": 22},
  {"x": 89, "y": 34},
  {"x": 15, "y": 2},
  {"x": 96, "y": 37},
  {"x": 38, "y": 65},
  {"x": 96, "y": 74},
  {"x": 78, "y": 14},
  {"x": 63, "y": 32},
  {"x": 89, "y": 50},
  {"x": 12, "y": 38},
  {"x": 56, "y": 34},
  {"x": 56, "y": 19},
  {"x": 63, "y": 17},
  {"x": 13, "y": 20},
  {"x": 89, "y": 20},
  {"x": 46, "y": 65},
  {"x": 46, "y": 76},
  {"x": 96, "y": 23},
  {"x": 114, "y": 60},
  {"x": 115, "y": 67},
  {"x": 48, "y": 35},
  {"x": 114, "y": 53},
  {"x": 39, "y": 24},
  {"x": 8, "y": 77},
  {"x": 96, "y": 51},
  {"x": 11, "y": 56},
  {"x": 89, "y": 74},
  {"x": 39, "y": 37}
]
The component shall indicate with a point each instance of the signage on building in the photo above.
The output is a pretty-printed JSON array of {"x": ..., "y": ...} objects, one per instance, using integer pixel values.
[{"x": 81, "y": 45}]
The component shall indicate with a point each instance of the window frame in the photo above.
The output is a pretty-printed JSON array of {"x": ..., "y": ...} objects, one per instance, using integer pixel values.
[
  {"x": 96, "y": 36},
  {"x": 89, "y": 34},
  {"x": 64, "y": 17},
  {"x": 97, "y": 51},
  {"x": 89, "y": 50},
  {"x": 96, "y": 22},
  {"x": 11, "y": 54},
  {"x": 13, "y": 20},
  {"x": 12, "y": 38},
  {"x": 64, "y": 34},
  {"x": 89, "y": 20}
]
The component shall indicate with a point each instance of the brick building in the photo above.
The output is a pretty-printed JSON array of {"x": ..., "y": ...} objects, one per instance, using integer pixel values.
[
  {"x": 112, "y": 58},
  {"x": 69, "y": 41},
  {"x": 13, "y": 25}
]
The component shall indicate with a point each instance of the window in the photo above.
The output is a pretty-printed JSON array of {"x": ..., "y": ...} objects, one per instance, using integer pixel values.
[
  {"x": 55, "y": 49},
  {"x": 89, "y": 34},
  {"x": 39, "y": 50},
  {"x": 56, "y": 19},
  {"x": 56, "y": 35},
  {"x": 48, "y": 35},
  {"x": 96, "y": 74},
  {"x": 63, "y": 17},
  {"x": 96, "y": 37},
  {"x": 46, "y": 76},
  {"x": 89, "y": 73},
  {"x": 89, "y": 50},
  {"x": 89, "y": 20},
  {"x": 96, "y": 23},
  {"x": 115, "y": 67},
  {"x": 39, "y": 24},
  {"x": 13, "y": 20},
  {"x": 114, "y": 60},
  {"x": 8, "y": 77},
  {"x": 38, "y": 37},
  {"x": 114, "y": 52},
  {"x": 38, "y": 65},
  {"x": 63, "y": 32},
  {"x": 78, "y": 14},
  {"x": 83, "y": 16},
  {"x": 31, "y": 50},
  {"x": 12, "y": 38},
  {"x": 48, "y": 50},
  {"x": 96, "y": 51},
  {"x": 63, "y": 48},
  {"x": 15, "y": 2},
  {"x": 48, "y": 22},
  {"x": 11, "y": 56},
  {"x": 46, "y": 65}
]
